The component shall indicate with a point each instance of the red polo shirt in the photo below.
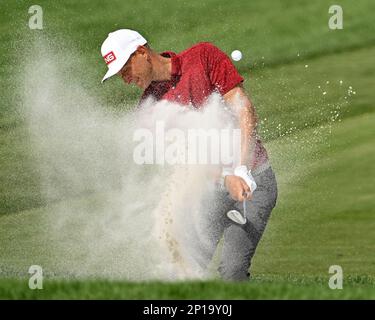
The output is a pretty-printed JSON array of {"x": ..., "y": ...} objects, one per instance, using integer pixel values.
[{"x": 196, "y": 73}]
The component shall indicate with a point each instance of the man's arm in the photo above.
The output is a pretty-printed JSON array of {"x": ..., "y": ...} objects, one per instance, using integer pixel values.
[
  {"x": 243, "y": 108},
  {"x": 241, "y": 104}
]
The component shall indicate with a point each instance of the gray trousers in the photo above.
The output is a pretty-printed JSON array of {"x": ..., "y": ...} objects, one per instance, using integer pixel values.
[{"x": 240, "y": 241}]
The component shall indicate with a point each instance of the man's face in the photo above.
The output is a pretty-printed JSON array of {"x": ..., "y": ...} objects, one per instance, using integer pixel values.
[{"x": 138, "y": 69}]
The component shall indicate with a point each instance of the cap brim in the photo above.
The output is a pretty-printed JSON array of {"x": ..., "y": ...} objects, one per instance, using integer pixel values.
[
  {"x": 116, "y": 67},
  {"x": 110, "y": 73}
]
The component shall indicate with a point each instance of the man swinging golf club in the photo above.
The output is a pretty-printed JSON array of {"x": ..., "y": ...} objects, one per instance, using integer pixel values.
[{"x": 189, "y": 78}]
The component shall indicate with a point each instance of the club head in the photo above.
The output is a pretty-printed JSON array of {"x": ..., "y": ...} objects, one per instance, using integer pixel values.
[{"x": 236, "y": 216}]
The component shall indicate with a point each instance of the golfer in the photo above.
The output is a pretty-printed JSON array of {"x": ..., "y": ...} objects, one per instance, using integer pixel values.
[{"x": 189, "y": 78}]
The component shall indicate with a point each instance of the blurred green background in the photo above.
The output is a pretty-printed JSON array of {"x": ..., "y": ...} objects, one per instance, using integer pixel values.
[{"x": 313, "y": 89}]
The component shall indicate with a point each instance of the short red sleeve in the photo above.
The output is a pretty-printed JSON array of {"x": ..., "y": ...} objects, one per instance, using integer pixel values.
[{"x": 221, "y": 71}]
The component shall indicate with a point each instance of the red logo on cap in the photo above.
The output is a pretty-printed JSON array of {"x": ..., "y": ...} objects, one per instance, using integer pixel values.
[{"x": 109, "y": 57}]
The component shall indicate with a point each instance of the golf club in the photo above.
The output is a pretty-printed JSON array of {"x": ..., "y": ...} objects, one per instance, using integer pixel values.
[{"x": 236, "y": 216}]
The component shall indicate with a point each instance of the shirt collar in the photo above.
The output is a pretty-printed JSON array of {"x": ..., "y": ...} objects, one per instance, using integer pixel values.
[{"x": 176, "y": 63}]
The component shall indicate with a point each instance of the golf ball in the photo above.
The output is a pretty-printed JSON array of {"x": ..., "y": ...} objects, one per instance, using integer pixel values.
[{"x": 236, "y": 55}]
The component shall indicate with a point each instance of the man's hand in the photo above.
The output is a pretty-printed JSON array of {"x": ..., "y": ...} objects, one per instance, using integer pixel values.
[{"x": 237, "y": 187}]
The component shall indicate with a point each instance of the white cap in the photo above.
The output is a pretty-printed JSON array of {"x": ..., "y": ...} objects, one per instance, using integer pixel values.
[{"x": 118, "y": 47}]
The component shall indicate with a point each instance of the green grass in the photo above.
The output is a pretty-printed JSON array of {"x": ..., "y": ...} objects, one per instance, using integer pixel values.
[
  {"x": 325, "y": 212},
  {"x": 321, "y": 145},
  {"x": 298, "y": 101},
  {"x": 266, "y": 288}
]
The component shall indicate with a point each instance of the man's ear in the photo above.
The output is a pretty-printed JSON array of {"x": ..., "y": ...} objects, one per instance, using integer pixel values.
[{"x": 142, "y": 50}]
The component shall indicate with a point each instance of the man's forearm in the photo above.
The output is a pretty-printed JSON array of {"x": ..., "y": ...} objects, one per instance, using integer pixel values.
[
  {"x": 240, "y": 182},
  {"x": 247, "y": 119}
]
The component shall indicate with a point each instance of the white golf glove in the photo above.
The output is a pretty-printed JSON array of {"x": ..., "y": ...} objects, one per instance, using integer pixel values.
[{"x": 242, "y": 172}]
